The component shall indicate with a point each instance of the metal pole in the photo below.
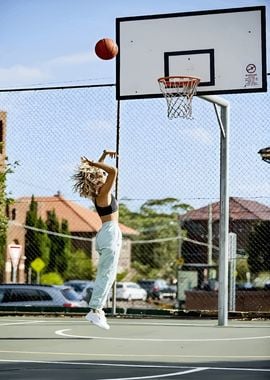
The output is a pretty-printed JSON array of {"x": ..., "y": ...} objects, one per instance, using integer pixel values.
[
  {"x": 116, "y": 191},
  {"x": 224, "y": 124},
  {"x": 14, "y": 275},
  {"x": 117, "y": 145},
  {"x": 210, "y": 235},
  {"x": 223, "y": 221},
  {"x": 179, "y": 262},
  {"x": 232, "y": 269}
]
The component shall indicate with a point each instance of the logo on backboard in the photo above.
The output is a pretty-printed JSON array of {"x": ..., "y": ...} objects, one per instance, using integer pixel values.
[{"x": 251, "y": 78}]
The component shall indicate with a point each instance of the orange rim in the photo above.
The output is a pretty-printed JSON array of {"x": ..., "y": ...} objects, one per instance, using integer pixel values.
[{"x": 179, "y": 81}]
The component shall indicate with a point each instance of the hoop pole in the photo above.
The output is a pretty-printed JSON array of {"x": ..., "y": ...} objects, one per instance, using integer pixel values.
[
  {"x": 219, "y": 120},
  {"x": 116, "y": 191},
  {"x": 224, "y": 208},
  {"x": 224, "y": 220},
  {"x": 215, "y": 100}
]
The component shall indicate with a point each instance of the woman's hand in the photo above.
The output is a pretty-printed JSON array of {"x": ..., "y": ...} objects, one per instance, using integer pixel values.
[
  {"x": 85, "y": 160},
  {"x": 110, "y": 153}
]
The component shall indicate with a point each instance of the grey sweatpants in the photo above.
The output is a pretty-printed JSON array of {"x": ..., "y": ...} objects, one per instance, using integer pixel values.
[{"x": 108, "y": 245}]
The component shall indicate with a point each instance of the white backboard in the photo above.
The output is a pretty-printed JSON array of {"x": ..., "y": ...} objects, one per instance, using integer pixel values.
[{"x": 226, "y": 48}]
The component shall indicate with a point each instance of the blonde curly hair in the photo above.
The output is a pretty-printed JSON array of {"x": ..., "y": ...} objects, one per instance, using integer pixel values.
[{"x": 88, "y": 180}]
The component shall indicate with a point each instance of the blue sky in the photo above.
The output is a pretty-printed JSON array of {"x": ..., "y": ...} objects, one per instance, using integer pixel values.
[{"x": 51, "y": 43}]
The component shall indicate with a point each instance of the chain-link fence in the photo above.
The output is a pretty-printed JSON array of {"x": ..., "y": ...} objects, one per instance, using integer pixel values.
[{"x": 168, "y": 190}]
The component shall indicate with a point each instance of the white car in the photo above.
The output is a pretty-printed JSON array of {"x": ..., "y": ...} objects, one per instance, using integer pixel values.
[
  {"x": 130, "y": 291},
  {"x": 124, "y": 291}
]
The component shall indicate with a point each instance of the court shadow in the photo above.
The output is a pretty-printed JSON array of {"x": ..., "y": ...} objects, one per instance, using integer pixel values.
[{"x": 85, "y": 370}]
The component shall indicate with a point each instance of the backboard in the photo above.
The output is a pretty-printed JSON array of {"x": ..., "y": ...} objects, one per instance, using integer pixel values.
[{"x": 225, "y": 48}]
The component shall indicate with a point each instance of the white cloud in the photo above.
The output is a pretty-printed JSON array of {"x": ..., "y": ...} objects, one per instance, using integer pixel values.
[
  {"x": 72, "y": 59},
  {"x": 19, "y": 74},
  {"x": 50, "y": 70},
  {"x": 199, "y": 134}
]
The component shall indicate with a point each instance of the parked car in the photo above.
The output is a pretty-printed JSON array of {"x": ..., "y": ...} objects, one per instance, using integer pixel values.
[
  {"x": 130, "y": 291},
  {"x": 78, "y": 285},
  {"x": 87, "y": 292},
  {"x": 158, "y": 289},
  {"x": 245, "y": 286},
  {"x": 38, "y": 295},
  {"x": 70, "y": 294}
]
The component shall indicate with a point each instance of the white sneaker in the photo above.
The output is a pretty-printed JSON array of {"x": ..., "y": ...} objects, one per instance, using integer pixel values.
[{"x": 98, "y": 318}]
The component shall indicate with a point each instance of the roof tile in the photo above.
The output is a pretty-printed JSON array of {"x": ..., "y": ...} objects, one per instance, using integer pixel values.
[
  {"x": 239, "y": 209},
  {"x": 80, "y": 219}
]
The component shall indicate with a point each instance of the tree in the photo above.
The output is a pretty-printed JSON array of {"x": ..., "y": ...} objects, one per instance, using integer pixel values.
[
  {"x": 53, "y": 226},
  {"x": 31, "y": 236},
  {"x": 42, "y": 241},
  {"x": 258, "y": 248},
  {"x": 79, "y": 266},
  {"x": 64, "y": 248},
  {"x": 37, "y": 243},
  {"x": 157, "y": 219},
  {"x": 242, "y": 269},
  {"x": 60, "y": 246},
  {"x": 5, "y": 202}
]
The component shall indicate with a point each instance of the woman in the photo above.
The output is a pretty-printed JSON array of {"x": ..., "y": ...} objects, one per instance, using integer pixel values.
[{"x": 96, "y": 180}]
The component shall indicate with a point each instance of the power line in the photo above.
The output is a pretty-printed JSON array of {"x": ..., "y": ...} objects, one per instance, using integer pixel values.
[{"x": 161, "y": 240}]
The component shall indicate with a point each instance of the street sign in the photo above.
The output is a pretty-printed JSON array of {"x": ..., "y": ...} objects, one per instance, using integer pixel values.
[
  {"x": 15, "y": 251},
  {"x": 38, "y": 264}
]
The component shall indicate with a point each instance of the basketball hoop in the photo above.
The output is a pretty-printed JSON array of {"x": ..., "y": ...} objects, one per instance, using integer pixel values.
[{"x": 178, "y": 92}]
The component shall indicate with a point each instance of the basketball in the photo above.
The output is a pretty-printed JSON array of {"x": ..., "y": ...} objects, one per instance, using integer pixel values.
[{"x": 106, "y": 48}]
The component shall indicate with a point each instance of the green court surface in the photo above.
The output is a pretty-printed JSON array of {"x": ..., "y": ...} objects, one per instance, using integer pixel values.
[{"x": 49, "y": 347}]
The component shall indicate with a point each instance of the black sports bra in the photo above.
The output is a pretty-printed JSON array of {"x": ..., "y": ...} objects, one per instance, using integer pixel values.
[{"x": 107, "y": 210}]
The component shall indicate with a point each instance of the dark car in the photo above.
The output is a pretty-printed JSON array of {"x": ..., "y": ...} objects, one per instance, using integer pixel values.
[
  {"x": 158, "y": 289},
  {"x": 87, "y": 292},
  {"x": 38, "y": 295},
  {"x": 78, "y": 285}
]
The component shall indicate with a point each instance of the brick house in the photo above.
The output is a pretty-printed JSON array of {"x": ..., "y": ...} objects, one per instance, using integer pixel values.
[
  {"x": 82, "y": 222},
  {"x": 243, "y": 214}
]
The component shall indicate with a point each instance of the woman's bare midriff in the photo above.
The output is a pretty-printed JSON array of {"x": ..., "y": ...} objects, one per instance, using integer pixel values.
[{"x": 110, "y": 218}]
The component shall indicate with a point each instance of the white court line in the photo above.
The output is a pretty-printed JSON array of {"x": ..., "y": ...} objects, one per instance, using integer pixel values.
[
  {"x": 159, "y": 376},
  {"x": 121, "y": 355},
  {"x": 19, "y": 323},
  {"x": 99, "y": 364},
  {"x": 124, "y": 321},
  {"x": 127, "y": 322},
  {"x": 240, "y": 369},
  {"x": 63, "y": 333},
  {"x": 135, "y": 365},
  {"x": 118, "y": 365}
]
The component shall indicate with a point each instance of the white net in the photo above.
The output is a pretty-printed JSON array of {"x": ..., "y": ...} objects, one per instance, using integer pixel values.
[{"x": 178, "y": 92}]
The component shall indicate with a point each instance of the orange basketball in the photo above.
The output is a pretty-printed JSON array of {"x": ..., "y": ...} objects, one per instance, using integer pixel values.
[{"x": 106, "y": 48}]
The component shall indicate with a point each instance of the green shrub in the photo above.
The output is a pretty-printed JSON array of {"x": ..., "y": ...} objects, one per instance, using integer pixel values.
[
  {"x": 79, "y": 266},
  {"x": 52, "y": 278}
]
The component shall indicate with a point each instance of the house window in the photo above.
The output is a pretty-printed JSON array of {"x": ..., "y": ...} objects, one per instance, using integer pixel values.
[
  {"x": 13, "y": 214},
  {"x": 7, "y": 211}
]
